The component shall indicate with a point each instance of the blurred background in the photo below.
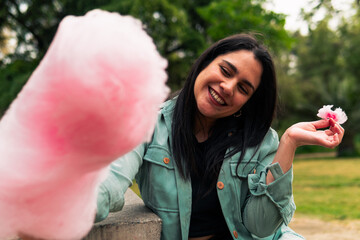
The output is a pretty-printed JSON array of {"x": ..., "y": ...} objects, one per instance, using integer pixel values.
[{"x": 315, "y": 45}]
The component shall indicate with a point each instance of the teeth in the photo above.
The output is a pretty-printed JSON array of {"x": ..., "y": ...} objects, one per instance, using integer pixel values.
[{"x": 216, "y": 97}]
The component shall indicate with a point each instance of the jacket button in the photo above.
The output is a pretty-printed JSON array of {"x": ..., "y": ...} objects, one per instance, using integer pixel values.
[
  {"x": 235, "y": 234},
  {"x": 220, "y": 185},
  {"x": 166, "y": 160}
]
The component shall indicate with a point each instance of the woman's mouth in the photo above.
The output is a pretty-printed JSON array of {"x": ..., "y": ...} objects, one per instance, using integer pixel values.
[{"x": 216, "y": 97}]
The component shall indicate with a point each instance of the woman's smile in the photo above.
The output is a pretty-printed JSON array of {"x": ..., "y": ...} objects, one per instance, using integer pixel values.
[
  {"x": 216, "y": 98},
  {"x": 226, "y": 84}
]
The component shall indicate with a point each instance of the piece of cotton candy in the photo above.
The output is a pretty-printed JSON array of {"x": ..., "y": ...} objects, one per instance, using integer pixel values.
[
  {"x": 94, "y": 97},
  {"x": 338, "y": 115}
]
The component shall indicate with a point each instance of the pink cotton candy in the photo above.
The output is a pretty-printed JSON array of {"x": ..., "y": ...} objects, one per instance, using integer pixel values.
[{"x": 94, "y": 97}]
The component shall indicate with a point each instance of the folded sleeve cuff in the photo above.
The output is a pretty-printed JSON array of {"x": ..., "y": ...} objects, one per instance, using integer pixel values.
[
  {"x": 116, "y": 187},
  {"x": 102, "y": 204},
  {"x": 276, "y": 170},
  {"x": 279, "y": 191}
]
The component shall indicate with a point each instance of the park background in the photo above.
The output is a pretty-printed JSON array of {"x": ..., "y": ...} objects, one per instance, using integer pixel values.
[{"x": 317, "y": 60}]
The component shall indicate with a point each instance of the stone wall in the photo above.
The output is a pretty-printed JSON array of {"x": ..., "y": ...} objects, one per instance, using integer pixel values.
[{"x": 134, "y": 222}]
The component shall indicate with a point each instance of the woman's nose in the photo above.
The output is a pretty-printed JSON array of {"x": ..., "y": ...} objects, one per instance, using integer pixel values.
[{"x": 228, "y": 86}]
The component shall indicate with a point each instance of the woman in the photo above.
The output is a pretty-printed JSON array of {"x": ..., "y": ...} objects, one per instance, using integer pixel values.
[{"x": 214, "y": 168}]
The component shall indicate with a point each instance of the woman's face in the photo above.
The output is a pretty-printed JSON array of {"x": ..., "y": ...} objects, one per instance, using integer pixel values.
[{"x": 226, "y": 84}]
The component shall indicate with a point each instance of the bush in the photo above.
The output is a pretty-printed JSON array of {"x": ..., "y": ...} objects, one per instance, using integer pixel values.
[{"x": 12, "y": 78}]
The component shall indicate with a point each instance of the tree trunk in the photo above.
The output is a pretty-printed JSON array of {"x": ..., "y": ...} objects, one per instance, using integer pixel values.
[{"x": 347, "y": 146}]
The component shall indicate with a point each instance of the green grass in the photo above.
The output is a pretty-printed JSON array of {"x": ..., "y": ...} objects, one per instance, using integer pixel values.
[
  {"x": 327, "y": 188},
  {"x": 135, "y": 188}
]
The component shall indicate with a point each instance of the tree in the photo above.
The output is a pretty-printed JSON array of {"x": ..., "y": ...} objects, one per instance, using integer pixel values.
[
  {"x": 181, "y": 29},
  {"x": 174, "y": 28},
  {"x": 171, "y": 24},
  {"x": 12, "y": 79},
  {"x": 34, "y": 23},
  {"x": 327, "y": 67},
  {"x": 227, "y": 17},
  {"x": 350, "y": 37}
]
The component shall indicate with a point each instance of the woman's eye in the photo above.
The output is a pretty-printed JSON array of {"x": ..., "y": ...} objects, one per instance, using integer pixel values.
[
  {"x": 225, "y": 72},
  {"x": 243, "y": 89}
]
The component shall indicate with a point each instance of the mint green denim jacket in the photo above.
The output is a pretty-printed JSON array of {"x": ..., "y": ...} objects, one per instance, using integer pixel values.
[{"x": 252, "y": 209}]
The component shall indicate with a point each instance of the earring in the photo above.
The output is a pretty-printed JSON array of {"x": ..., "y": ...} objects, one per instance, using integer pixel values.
[{"x": 237, "y": 114}]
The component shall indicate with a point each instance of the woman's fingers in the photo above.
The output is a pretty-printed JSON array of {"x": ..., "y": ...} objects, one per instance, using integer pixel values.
[
  {"x": 321, "y": 124},
  {"x": 336, "y": 128},
  {"x": 329, "y": 139},
  {"x": 335, "y": 141},
  {"x": 327, "y": 133}
]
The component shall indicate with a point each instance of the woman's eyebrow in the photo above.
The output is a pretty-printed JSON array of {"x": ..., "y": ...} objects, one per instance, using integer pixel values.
[
  {"x": 232, "y": 66},
  {"x": 249, "y": 84}
]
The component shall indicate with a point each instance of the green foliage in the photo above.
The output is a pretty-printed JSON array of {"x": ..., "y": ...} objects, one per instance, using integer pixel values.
[
  {"x": 227, "y": 17},
  {"x": 34, "y": 23},
  {"x": 13, "y": 77},
  {"x": 327, "y": 188},
  {"x": 327, "y": 73},
  {"x": 308, "y": 149},
  {"x": 172, "y": 27},
  {"x": 181, "y": 29},
  {"x": 318, "y": 67}
]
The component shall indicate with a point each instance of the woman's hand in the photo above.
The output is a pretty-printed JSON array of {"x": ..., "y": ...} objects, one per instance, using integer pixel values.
[{"x": 326, "y": 133}]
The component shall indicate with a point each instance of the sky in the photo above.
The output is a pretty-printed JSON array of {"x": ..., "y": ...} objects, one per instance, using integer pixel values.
[{"x": 292, "y": 9}]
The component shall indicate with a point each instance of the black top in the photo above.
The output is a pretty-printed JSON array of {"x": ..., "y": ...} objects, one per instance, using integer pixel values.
[{"x": 206, "y": 215}]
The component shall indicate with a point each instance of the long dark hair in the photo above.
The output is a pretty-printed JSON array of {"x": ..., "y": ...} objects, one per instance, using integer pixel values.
[{"x": 248, "y": 130}]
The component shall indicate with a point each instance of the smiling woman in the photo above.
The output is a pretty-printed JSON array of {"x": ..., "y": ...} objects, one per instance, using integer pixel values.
[
  {"x": 214, "y": 168},
  {"x": 224, "y": 86}
]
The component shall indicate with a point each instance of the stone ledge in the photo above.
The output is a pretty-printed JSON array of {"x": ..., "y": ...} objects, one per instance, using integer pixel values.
[{"x": 134, "y": 221}]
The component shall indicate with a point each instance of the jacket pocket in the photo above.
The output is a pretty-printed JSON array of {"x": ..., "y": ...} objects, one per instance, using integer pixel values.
[
  {"x": 159, "y": 185},
  {"x": 240, "y": 178},
  {"x": 245, "y": 168}
]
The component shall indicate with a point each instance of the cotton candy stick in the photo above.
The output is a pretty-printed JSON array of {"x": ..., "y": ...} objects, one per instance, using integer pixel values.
[{"x": 94, "y": 96}]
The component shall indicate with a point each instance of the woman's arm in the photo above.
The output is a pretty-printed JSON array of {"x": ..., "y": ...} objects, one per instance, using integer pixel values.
[
  {"x": 271, "y": 202},
  {"x": 268, "y": 206},
  {"x": 305, "y": 133},
  {"x": 112, "y": 190}
]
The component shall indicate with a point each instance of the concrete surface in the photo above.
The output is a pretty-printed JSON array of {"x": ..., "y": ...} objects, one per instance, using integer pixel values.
[
  {"x": 316, "y": 229},
  {"x": 134, "y": 222}
]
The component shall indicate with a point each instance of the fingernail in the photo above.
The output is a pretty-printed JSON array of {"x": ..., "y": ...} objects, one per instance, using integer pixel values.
[{"x": 331, "y": 122}]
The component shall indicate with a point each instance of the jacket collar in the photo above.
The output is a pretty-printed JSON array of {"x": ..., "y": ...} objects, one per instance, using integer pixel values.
[{"x": 167, "y": 110}]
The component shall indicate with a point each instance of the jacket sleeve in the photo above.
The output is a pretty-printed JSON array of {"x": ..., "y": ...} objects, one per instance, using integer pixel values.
[
  {"x": 112, "y": 189},
  {"x": 269, "y": 206}
]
